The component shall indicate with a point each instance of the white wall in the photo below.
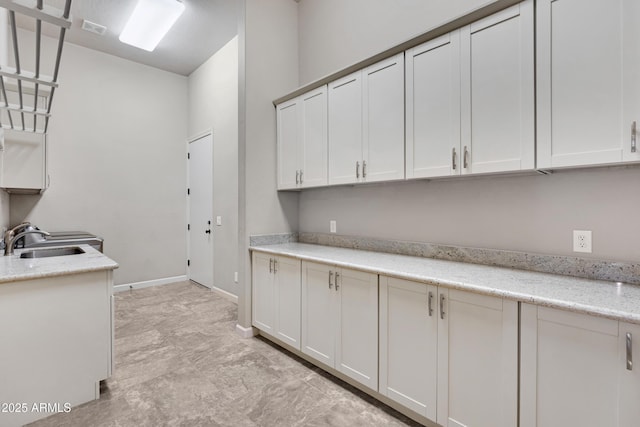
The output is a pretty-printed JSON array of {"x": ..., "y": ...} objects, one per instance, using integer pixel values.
[
  {"x": 213, "y": 104},
  {"x": 337, "y": 33},
  {"x": 268, "y": 69},
  {"x": 525, "y": 213},
  {"x": 117, "y": 148}
]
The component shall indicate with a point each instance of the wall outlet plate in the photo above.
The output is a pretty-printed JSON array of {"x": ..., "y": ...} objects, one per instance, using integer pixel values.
[
  {"x": 235, "y": 277},
  {"x": 332, "y": 226},
  {"x": 218, "y": 220},
  {"x": 582, "y": 241}
]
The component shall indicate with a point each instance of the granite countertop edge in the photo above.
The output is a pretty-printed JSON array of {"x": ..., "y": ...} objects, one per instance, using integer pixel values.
[
  {"x": 16, "y": 269},
  {"x": 594, "y": 297}
]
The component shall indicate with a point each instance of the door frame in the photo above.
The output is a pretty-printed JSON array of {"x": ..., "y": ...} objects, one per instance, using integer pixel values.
[{"x": 191, "y": 139}]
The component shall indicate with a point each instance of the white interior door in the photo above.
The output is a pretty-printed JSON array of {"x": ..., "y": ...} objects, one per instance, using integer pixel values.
[{"x": 201, "y": 210}]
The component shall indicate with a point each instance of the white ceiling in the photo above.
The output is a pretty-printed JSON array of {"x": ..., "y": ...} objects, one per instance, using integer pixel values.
[{"x": 204, "y": 27}]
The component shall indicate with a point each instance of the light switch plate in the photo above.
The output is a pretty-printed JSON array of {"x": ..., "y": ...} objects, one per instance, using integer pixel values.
[
  {"x": 218, "y": 220},
  {"x": 332, "y": 226}
]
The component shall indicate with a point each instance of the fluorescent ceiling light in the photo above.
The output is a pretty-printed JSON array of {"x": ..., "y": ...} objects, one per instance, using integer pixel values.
[{"x": 150, "y": 21}]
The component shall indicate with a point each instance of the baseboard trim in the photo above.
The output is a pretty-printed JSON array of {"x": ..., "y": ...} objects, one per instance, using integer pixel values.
[
  {"x": 246, "y": 332},
  {"x": 149, "y": 283},
  {"x": 225, "y": 294}
]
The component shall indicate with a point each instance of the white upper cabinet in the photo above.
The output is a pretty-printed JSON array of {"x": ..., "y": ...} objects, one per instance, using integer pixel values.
[
  {"x": 383, "y": 127},
  {"x": 470, "y": 98},
  {"x": 23, "y": 162},
  {"x": 366, "y": 124},
  {"x": 288, "y": 123},
  {"x": 345, "y": 129},
  {"x": 498, "y": 105},
  {"x": 313, "y": 167},
  {"x": 433, "y": 108},
  {"x": 302, "y": 141},
  {"x": 588, "y": 91}
]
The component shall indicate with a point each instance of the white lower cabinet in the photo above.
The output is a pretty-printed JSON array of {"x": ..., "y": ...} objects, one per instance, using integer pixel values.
[
  {"x": 575, "y": 370},
  {"x": 340, "y": 320},
  {"x": 451, "y": 356},
  {"x": 276, "y": 297}
]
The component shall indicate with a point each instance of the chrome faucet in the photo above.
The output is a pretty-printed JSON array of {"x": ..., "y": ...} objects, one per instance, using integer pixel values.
[{"x": 10, "y": 238}]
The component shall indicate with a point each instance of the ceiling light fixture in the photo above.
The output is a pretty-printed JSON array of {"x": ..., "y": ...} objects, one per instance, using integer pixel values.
[{"x": 150, "y": 22}]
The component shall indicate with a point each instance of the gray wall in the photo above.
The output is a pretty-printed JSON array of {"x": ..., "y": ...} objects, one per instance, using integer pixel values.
[
  {"x": 268, "y": 69},
  {"x": 337, "y": 33},
  {"x": 213, "y": 104},
  {"x": 116, "y": 159},
  {"x": 525, "y": 213}
]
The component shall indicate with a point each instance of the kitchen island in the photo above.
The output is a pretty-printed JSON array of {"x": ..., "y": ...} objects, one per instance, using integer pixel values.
[{"x": 57, "y": 333}]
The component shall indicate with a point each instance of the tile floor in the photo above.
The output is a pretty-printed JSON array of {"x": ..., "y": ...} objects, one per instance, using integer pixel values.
[{"x": 179, "y": 362}]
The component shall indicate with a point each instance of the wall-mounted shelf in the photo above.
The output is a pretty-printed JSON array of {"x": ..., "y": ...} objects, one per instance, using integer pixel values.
[{"x": 26, "y": 96}]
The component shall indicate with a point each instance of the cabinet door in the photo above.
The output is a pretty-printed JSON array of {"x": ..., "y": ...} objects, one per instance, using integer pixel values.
[
  {"x": 287, "y": 297},
  {"x": 588, "y": 81},
  {"x": 263, "y": 292},
  {"x": 408, "y": 344},
  {"x": 383, "y": 120},
  {"x": 357, "y": 334},
  {"x": 24, "y": 162},
  {"x": 630, "y": 374},
  {"x": 313, "y": 170},
  {"x": 345, "y": 129},
  {"x": 477, "y": 360},
  {"x": 318, "y": 312},
  {"x": 498, "y": 107},
  {"x": 433, "y": 108},
  {"x": 289, "y": 137},
  {"x": 569, "y": 369}
]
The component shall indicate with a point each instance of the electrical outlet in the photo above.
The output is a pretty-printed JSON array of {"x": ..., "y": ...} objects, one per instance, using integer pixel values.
[
  {"x": 332, "y": 226},
  {"x": 235, "y": 277},
  {"x": 582, "y": 241},
  {"x": 218, "y": 220}
]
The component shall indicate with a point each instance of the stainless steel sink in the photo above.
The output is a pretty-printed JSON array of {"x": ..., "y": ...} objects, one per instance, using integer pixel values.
[{"x": 46, "y": 253}]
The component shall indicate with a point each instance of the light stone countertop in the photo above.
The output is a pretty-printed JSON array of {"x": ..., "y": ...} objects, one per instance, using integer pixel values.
[
  {"x": 13, "y": 268},
  {"x": 595, "y": 297}
]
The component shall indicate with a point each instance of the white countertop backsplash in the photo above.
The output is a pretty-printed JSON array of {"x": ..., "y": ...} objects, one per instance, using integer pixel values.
[
  {"x": 601, "y": 298},
  {"x": 13, "y": 268}
]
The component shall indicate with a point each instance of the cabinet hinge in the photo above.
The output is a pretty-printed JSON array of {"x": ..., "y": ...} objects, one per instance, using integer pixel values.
[
  {"x": 188, "y": 263},
  {"x": 188, "y": 156},
  {"x": 188, "y": 191},
  {"x": 188, "y": 227}
]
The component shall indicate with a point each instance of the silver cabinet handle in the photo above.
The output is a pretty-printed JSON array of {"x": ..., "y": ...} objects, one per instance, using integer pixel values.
[
  {"x": 453, "y": 158},
  {"x": 357, "y": 169},
  {"x": 442, "y": 306},
  {"x": 330, "y": 277},
  {"x": 430, "y": 304},
  {"x": 336, "y": 281},
  {"x": 297, "y": 177},
  {"x": 275, "y": 266},
  {"x": 364, "y": 168},
  {"x": 629, "y": 353},
  {"x": 633, "y": 137},
  {"x": 466, "y": 157},
  {"x": 301, "y": 175},
  {"x": 270, "y": 265}
]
